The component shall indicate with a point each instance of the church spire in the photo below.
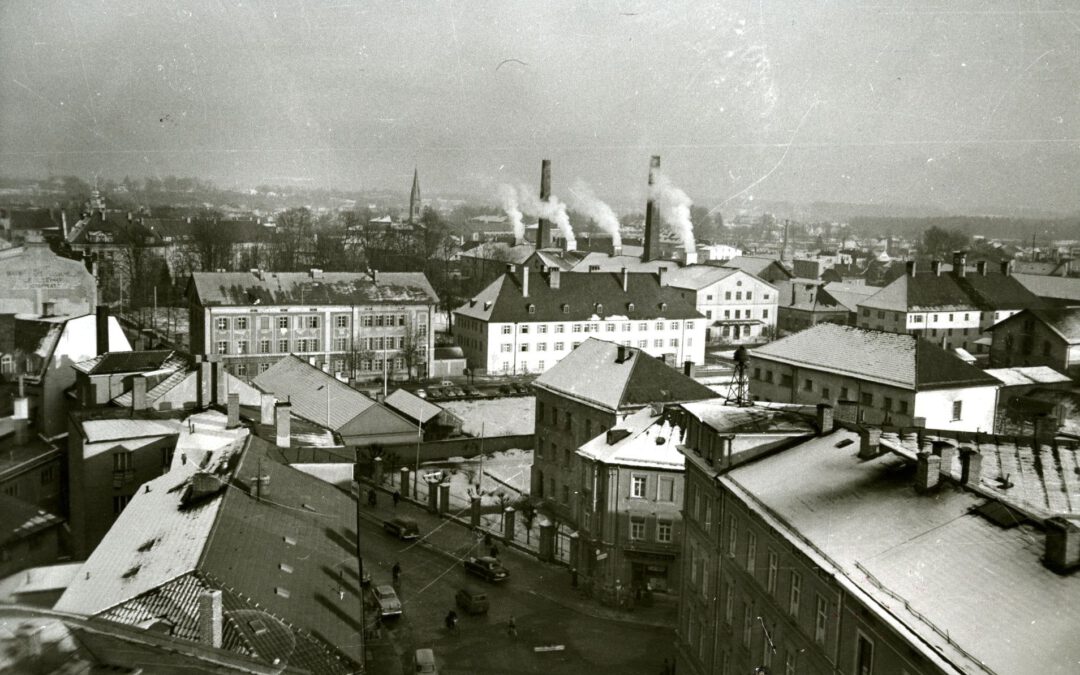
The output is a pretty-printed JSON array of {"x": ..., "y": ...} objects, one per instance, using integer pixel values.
[{"x": 414, "y": 199}]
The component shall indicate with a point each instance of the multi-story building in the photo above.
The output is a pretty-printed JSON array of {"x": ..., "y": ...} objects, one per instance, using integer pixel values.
[
  {"x": 953, "y": 309},
  {"x": 739, "y": 307},
  {"x": 526, "y": 323},
  {"x": 588, "y": 393},
  {"x": 1039, "y": 337},
  {"x": 880, "y": 377},
  {"x": 862, "y": 552},
  {"x": 353, "y": 325}
]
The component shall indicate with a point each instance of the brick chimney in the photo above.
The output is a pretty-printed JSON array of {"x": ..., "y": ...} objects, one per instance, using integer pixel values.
[
  {"x": 544, "y": 227},
  {"x": 1062, "y": 553},
  {"x": 266, "y": 408},
  {"x": 102, "y": 329},
  {"x": 652, "y": 216},
  {"x": 825, "y": 422},
  {"x": 138, "y": 393},
  {"x": 927, "y": 472},
  {"x": 283, "y": 423},
  {"x": 910, "y": 265},
  {"x": 234, "y": 410},
  {"x": 622, "y": 354},
  {"x": 869, "y": 437},
  {"x": 959, "y": 263},
  {"x": 688, "y": 368},
  {"x": 660, "y": 276},
  {"x": 625, "y": 280},
  {"x": 554, "y": 278},
  {"x": 970, "y": 466},
  {"x": 210, "y": 618},
  {"x": 524, "y": 281},
  {"x": 947, "y": 452},
  {"x": 935, "y": 267}
]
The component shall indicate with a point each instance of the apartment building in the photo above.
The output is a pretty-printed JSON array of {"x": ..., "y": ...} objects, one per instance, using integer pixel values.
[
  {"x": 863, "y": 552},
  {"x": 879, "y": 377},
  {"x": 1039, "y": 337},
  {"x": 527, "y": 322},
  {"x": 953, "y": 309},
  {"x": 353, "y": 325},
  {"x": 739, "y": 307}
]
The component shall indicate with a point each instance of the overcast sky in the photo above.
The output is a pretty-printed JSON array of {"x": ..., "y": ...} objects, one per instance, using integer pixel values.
[{"x": 956, "y": 104}]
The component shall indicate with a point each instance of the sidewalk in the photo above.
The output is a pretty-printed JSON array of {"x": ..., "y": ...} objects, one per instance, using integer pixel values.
[{"x": 455, "y": 539}]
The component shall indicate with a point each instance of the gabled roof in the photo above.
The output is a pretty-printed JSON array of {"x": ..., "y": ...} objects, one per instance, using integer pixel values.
[
  {"x": 1028, "y": 375},
  {"x": 649, "y": 442},
  {"x": 170, "y": 544},
  {"x": 316, "y": 396},
  {"x": 297, "y": 288},
  {"x": 931, "y": 292},
  {"x": 757, "y": 265},
  {"x": 596, "y": 261},
  {"x": 897, "y": 360},
  {"x": 1052, "y": 288},
  {"x": 1065, "y": 322},
  {"x": 412, "y": 406},
  {"x": 696, "y": 277},
  {"x": 114, "y": 363},
  {"x": 592, "y": 374},
  {"x": 849, "y": 295},
  {"x": 586, "y": 297}
]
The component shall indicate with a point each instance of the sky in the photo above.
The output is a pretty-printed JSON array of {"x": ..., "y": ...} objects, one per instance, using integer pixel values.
[{"x": 962, "y": 105}]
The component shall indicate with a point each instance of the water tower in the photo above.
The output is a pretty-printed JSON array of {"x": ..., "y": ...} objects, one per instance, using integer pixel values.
[{"x": 739, "y": 390}]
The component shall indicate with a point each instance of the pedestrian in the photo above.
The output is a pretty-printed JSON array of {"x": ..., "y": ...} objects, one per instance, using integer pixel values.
[
  {"x": 372, "y": 498},
  {"x": 487, "y": 539},
  {"x": 511, "y": 627},
  {"x": 396, "y": 569},
  {"x": 397, "y": 498}
]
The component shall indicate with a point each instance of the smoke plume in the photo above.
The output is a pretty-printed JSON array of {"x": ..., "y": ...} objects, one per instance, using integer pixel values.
[
  {"x": 587, "y": 202},
  {"x": 674, "y": 209},
  {"x": 549, "y": 209},
  {"x": 508, "y": 196}
]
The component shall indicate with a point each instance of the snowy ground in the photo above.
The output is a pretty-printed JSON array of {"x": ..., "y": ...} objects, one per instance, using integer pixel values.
[
  {"x": 505, "y": 473},
  {"x": 511, "y": 416}
]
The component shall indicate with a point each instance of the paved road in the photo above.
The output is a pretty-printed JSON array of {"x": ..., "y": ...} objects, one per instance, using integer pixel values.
[{"x": 482, "y": 645}]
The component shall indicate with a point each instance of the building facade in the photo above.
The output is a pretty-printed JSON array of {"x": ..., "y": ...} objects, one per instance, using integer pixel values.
[
  {"x": 739, "y": 307},
  {"x": 355, "y": 326},
  {"x": 1039, "y": 337}
]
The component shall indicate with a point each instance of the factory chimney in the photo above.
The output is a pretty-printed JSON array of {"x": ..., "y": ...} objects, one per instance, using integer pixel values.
[
  {"x": 652, "y": 217},
  {"x": 543, "y": 229}
]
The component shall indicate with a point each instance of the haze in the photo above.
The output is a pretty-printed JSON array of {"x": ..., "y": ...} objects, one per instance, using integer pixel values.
[{"x": 959, "y": 105}]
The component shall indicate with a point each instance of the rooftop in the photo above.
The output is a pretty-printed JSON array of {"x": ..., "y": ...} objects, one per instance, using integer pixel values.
[
  {"x": 131, "y": 362},
  {"x": 696, "y": 277},
  {"x": 19, "y": 519},
  {"x": 649, "y": 442},
  {"x": 756, "y": 419},
  {"x": 1055, "y": 288},
  {"x": 298, "y": 288},
  {"x": 756, "y": 265},
  {"x": 1027, "y": 375},
  {"x": 316, "y": 396},
  {"x": 927, "y": 291},
  {"x": 592, "y": 373},
  {"x": 412, "y": 406},
  {"x": 1064, "y": 322},
  {"x": 894, "y": 359}
]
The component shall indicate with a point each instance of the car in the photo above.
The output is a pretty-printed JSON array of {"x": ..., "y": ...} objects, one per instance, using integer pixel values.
[
  {"x": 421, "y": 393},
  {"x": 522, "y": 388},
  {"x": 459, "y": 392},
  {"x": 473, "y": 391},
  {"x": 387, "y": 600},
  {"x": 402, "y": 528},
  {"x": 424, "y": 661},
  {"x": 505, "y": 389},
  {"x": 446, "y": 383},
  {"x": 471, "y": 601},
  {"x": 435, "y": 393},
  {"x": 486, "y": 567}
]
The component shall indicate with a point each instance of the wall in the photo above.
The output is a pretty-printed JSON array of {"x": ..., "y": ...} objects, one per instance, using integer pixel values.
[
  {"x": 38, "y": 275},
  {"x": 40, "y": 481},
  {"x": 1029, "y": 342},
  {"x": 978, "y": 407},
  {"x": 40, "y": 548}
]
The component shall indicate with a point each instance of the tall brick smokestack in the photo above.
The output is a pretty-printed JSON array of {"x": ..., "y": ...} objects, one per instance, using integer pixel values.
[
  {"x": 652, "y": 216},
  {"x": 543, "y": 229}
]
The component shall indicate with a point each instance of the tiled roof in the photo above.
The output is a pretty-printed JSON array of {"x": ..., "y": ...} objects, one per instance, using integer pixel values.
[
  {"x": 412, "y": 406},
  {"x": 696, "y": 277},
  {"x": 755, "y": 265},
  {"x": 591, "y": 374},
  {"x": 587, "y": 297},
  {"x": 316, "y": 396},
  {"x": 1065, "y": 322},
  {"x": 927, "y": 291},
  {"x": 894, "y": 359},
  {"x": 972, "y": 592},
  {"x": 297, "y": 288},
  {"x": 1054, "y": 288},
  {"x": 651, "y": 443}
]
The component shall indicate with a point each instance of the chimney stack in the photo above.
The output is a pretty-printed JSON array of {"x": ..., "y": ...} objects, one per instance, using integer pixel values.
[
  {"x": 210, "y": 618},
  {"x": 935, "y": 267},
  {"x": 970, "y": 466},
  {"x": 138, "y": 393},
  {"x": 616, "y": 251},
  {"x": 234, "y": 410},
  {"x": 981, "y": 268},
  {"x": 625, "y": 280},
  {"x": 102, "y": 326},
  {"x": 947, "y": 452},
  {"x": 524, "y": 281},
  {"x": 869, "y": 437},
  {"x": 691, "y": 258},
  {"x": 283, "y": 423},
  {"x": 221, "y": 383},
  {"x": 1006, "y": 268},
  {"x": 543, "y": 228},
  {"x": 910, "y": 268},
  {"x": 622, "y": 354},
  {"x": 1062, "y": 544},
  {"x": 266, "y": 408},
  {"x": 959, "y": 263},
  {"x": 825, "y": 423},
  {"x": 204, "y": 381},
  {"x": 688, "y": 368},
  {"x": 660, "y": 275},
  {"x": 927, "y": 472},
  {"x": 652, "y": 216}
]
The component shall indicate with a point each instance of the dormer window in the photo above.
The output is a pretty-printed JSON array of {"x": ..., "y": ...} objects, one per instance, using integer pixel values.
[
  {"x": 599, "y": 308},
  {"x": 565, "y": 308},
  {"x": 663, "y": 306},
  {"x": 532, "y": 308},
  {"x": 487, "y": 304},
  {"x": 630, "y": 306}
]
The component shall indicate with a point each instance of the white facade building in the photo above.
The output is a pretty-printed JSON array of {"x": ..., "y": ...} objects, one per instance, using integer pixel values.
[{"x": 738, "y": 306}]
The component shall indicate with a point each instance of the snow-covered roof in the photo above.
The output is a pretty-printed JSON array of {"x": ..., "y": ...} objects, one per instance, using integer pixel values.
[{"x": 641, "y": 440}]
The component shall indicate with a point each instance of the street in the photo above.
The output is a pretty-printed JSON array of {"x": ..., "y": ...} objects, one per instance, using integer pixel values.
[{"x": 482, "y": 644}]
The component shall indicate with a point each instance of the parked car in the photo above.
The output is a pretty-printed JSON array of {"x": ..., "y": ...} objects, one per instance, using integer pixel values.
[
  {"x": 421, "y": 393},
  {"x": 387, "y": 600},
  {"x": 446, "y": 383},
  {"x": 471, "y": 601},
  {"x": 522, "y": 388},
  {"x": 402, "y": 528},
  {"x": 424, "y": 660},
  {"x": 435, "y": 393},
  {"x": 505, "y": 389},
  {"x": 473, "y": 391},
  {"x": 459, "y": 392},
  {"x": 486, "y": 567}
]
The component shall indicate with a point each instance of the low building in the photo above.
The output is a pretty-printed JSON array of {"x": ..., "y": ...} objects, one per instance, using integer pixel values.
[
  {"x": 29, "y": 536},
  {"x": 353, "y": 325},
  {"x": 433, "y": 420},
  {"x": 739, "y": 307},
  {"x": 527, "y": 322},
  {"x": 1039, "y": 337},
  {"x": 1021, "y": 403},
  {"x": 1054, "y": 291},
  {"x": 879, "y": 377}
]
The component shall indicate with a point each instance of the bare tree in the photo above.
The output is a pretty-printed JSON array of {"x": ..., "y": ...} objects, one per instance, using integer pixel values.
[
  {"x": 212, "y": 242},
  {"x": 293, "y": 243},
  {"x": 414, "y": 347}
]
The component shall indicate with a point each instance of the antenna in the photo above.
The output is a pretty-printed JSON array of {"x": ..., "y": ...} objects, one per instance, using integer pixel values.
[{"x": 739, "y": 389}]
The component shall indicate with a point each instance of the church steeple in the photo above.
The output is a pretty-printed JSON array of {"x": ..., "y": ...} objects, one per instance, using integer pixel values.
[{"x": 414, "y": 199}]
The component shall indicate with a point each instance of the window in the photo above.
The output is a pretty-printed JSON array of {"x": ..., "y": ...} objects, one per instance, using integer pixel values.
[
  {"x": 738, "y": 295},
  {"x": 341, "y": 344},
  {"x": 751, "y": 551},
  {"x": 506, "y": 330},
  {"x": 241, "y": 323},
  {"x": 341, "y": 321},
  {"x": 642, "y": 344},
  {"x": 241, "y": 346},
  {"x": 768, "y": 376},
  {"x": 577, "y": 328},
  {"x": 223, "y": 347},
  {"x": 119, "y": 503},
  {"x": 727, "y": 295},
  {"x": 626, "y": 328},
  {"x": 524, "y": 328},
  {"x": 957, "y": 409},
  {"x": 565, "y": 308},
  {"x": 541, "y": 346},
  {"x": 12, "y": 490},
  {"x": 643, "y": 326},
  {"x": 379, "y": 319},
  {"x": 770, "y": 579},
  {"x": 366, "y": 321},
  {"x": 524, "y": 346},
  {"x": 283, "y": 322},
  {"x": 311, "y": 321},
  {"x": 48, "y": 474},
  {"x": 637, "y": 529},
  {"x": 865, "y": 312},
  {"x": 222, "y": 323},
  {"x": 666, "y": 490},
  {"x": 786, "y": 381},
  {"x": 867, "y": 398},
  {"x": 565, "y": 494},
  {"x": 674, "y": 342},
  {"x": 747, "y": 623},
  {"x": 560, "y": 346},
  {"x": 821, "y": 619},
  {"x": 794, "y": 594},
  {"x": 733, "y": 533},
  {"x": 264, "y": 346},
  {"x": 659, "y": 325},
  {"x": 864, "y": 655},
  {"x": 637, "y": 486},
  {"x": 241, "y": 369},
  {"x": 663, "y": 531},
  {"x": 283, "y": 345},
  {"x": 903, "y": 407},
  {"x": 825, "y": 393},
  {"x": 808, "y": 385},
  {"x": 764, "y": 314}
]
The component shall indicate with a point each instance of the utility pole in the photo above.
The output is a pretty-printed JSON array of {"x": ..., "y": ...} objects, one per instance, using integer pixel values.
[
  {"x": 480, "y": 482},
  {"x": 359, "y": 562}
]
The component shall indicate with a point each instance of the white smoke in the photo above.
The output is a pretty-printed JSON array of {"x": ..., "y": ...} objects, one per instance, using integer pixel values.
[
  {"x": 587, "y": 202},
  {"x": 674, "y": 207},
  {"x": 508, "y": 196},
  {"x": 549, "y": 209}
]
